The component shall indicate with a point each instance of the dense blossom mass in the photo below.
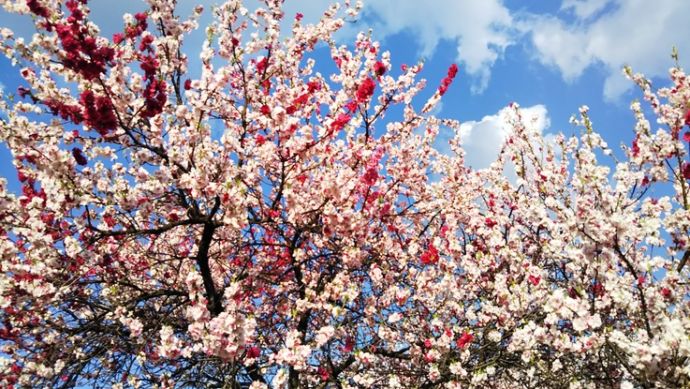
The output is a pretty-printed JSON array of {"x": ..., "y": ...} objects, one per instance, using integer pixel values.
[{"x": 261, "y": 224}]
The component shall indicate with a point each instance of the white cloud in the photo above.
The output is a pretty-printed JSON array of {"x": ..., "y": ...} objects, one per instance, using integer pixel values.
[
  {"x": 584, "y": 9},
  {"x": 481, "y": 30},
  {"x": 482, "y": 139},
  {"x": 639, "y": 33}
]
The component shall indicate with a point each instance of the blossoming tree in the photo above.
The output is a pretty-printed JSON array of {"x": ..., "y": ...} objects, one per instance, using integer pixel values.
[{"x": 308, "y": 245}]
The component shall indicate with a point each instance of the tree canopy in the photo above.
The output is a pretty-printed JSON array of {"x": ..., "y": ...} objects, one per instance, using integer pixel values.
[{"x": 265, "y": 225}]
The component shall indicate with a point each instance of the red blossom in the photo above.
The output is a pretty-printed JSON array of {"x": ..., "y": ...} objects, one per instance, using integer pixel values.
[
  {"x": 260, "y": 139},
  {"x": 635, "y": 147},
  {"x": 686, "y": 136},
  {"x": 253, "y": 352},
  {"x": 82, "y": 54},
  {"x": 134, "y": 30},
  {"x": 379, "y": 68},
  {"x": 21, "y": 176},
  {"x": 16, "y": 369},
  {"x": 452, "y": 71},
  {"x": 301, "y": 100},
  {"x": 262, "y": 65},
  {"x": 365, "y": 90},
  {"x": 145, "y": 43},
  {"x": 430, "y": 256},
  {"x": 534, "y": 280},
  {"x": 686, "y": 170},
  {"x": 98, "y": 112},
  {"x": 370, "y": 176},
  {"x": 340, "y": 122},
  {"x": 351, "y": 106},
  {"x": 155, "y": 97},
  {"x": 313, "y": 86},
  {"x": 464, "y": 339},
  {"x": 37, "y": 8},
  {"x": 118, "y": 38},
  {"x": 72, "y": 113},
  {"x": 149, "y": 64},
  {"x": 349, "y": 345},
  {"x": 445, "y": 83},
  {"x": 188, "y": 84}
]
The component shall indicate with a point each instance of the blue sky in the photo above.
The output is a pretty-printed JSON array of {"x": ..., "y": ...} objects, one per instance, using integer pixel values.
[{"x": 548, "y": 56}]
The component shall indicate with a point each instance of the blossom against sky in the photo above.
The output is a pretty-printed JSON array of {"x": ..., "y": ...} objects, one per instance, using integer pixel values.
[{"x": 550, "y": 56}]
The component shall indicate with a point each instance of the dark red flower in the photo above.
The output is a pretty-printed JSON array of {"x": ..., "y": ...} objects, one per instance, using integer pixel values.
[
  {"x": 349, "y": 345},
  {"x": 379, "y": 68},
  {"x": 262, "y": 65},
  {"x": 301, "y": 100},
  {"x": 149, "y": 64},
  {"x": 79, "y": 156},
  {"x": 635, "y": 147},
  {"x": 313, "y": 86},
  {"x": 155, "y": 97},
  {"x": 445, "y": 83},
  {"x": 72, "y": 113},
  {"x": 145, "y": 43},
  {"x": 340, "y": 122},
  {"x": 464, "y": 340},
  {"x": 323, "y": 373},
  {"x": 351, "y": 106},
  {"x": 430, "y": 256},
  {"x": 188, "y": 84},
  {"x": 37, "y": 8},
  {"x": 82, "y": 54},
  {"x": 118, "y": 38},
  {"x": 260, "y": 139},
  {"x": 21, "y": 176},
  {"x": 534, "y": 280},
  {"x": 686, "y": 170},
  {"x": 253, "y": 352},
  {"x": 365, "y": 90},
  {"x": 452, "y": 70},
  {"x": 140, "y": 17},
  {"x": 370, "y": 176},
  {"x": 98, "y": 112}
]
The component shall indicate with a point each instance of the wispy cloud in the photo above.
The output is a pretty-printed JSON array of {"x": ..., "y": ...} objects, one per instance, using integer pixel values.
[
  {"x": 639, "y": 33},
  {"x": 480, "y": 30}
]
